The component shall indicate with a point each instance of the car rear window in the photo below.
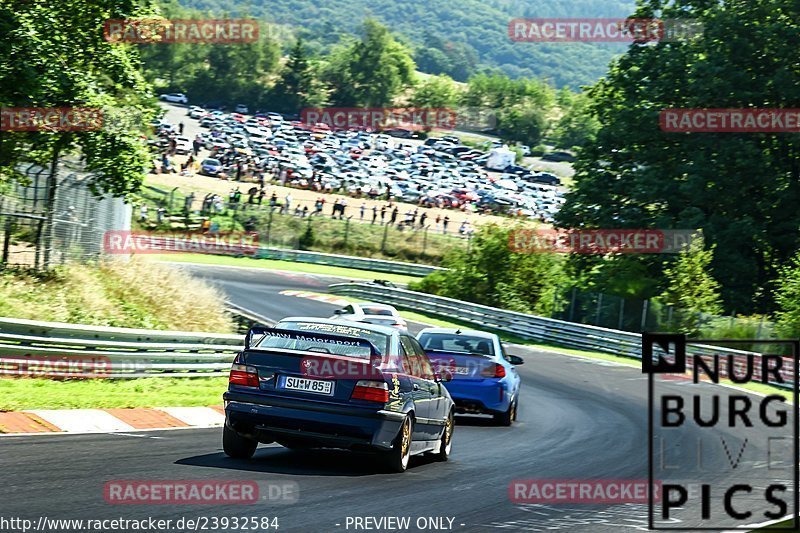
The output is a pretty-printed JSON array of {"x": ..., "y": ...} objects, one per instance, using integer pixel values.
[
  {"x": 452, "y": 343},
  {"x": 313, "y": 344},
  {"x": 380, "y": 311},
  {"x": 379, "y": 340}
]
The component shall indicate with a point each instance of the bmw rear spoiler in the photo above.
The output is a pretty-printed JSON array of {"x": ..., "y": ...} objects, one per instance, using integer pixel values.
[{"x": 257, "y": 332}]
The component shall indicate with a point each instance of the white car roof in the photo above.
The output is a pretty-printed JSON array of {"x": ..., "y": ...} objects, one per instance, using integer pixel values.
[{"x": 470, "y": 332}]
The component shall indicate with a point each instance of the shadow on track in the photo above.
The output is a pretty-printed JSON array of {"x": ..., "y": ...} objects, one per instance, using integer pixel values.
[{"x": 312, "y": 462}]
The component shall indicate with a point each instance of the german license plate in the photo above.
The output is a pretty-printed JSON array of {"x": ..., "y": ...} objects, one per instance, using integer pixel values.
[{"x": 316, "y": 386}]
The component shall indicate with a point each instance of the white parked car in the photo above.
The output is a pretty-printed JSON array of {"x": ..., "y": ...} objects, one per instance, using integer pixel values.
[
  {"x": 196, "y": 112},
  {"x": 175, "y": 98},
  {"x": 183, "y": 145},
  {"x": 241, "y": 108},
  {"x": 372, "y": 313}
]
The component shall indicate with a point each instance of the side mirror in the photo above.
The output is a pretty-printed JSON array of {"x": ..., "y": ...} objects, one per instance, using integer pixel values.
[{"x": 515, "y": 360}]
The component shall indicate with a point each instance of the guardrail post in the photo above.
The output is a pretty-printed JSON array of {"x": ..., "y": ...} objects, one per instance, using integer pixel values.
[
  {"x": 383, "y": 243},
  {"x": 644, "y": 315},
  {"x": 572, "y": 304},
  {"x": 597, "y": 313},
  {"x": 269, "y": 226},
  {"x": 7, "y": 240}
]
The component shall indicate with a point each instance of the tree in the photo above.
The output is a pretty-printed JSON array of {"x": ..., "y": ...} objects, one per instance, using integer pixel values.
[
  {"x": 787, "y": 298},
  {"x": 577, "y": 126},
  {"x": 297, "y": 87},
  {"x": 741, "y": 190},
  {"x": 690, "y": 287},
  {"x": 61, "y": 59},
  {"x": 369, "y": 72},
  {"x": 435, "y": 91},
  {"x": 524, "y": 123},
  {"x": 490, "y": 273}
]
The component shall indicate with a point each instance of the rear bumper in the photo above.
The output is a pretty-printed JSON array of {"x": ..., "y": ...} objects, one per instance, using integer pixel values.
[
  {"x": 268, "y": 419},
  {"x": 479, "y": 396}
]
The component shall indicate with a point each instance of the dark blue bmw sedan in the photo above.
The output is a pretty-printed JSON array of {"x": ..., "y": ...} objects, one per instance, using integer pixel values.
[{"x": 312, "y": 382}]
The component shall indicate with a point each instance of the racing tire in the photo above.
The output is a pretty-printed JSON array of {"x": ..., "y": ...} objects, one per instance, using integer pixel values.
[
  {"x": 397, "y": 459},
  {"x": 446, "y": 442},
  {"x": 237, "y": 447},
  {"x": 507, "y": 418}
]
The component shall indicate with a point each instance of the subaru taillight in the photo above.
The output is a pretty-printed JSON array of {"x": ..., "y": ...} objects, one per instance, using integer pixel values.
[
  {"x": 494, "y": 371},
  {"x": 371, "y": 391},
  {"x": 243, "y": 376}
]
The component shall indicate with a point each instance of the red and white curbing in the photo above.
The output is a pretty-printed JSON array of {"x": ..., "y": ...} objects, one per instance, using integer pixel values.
[
  {"x": 39, "y": 421},
  {"x": 318, "y": 297}
]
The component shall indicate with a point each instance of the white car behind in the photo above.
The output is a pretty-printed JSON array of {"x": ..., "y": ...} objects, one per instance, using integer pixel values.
[{"x": 372, "y": 313}]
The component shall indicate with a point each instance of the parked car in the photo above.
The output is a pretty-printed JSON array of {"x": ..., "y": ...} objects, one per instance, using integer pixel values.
[
  {"x": 175, "y": 98},
  {"x": 241, "y": 108},
  {"x": 547, "y": 178},
  {"x": 183, "y": 145},
  {"x": 558, "y": 157},
  {"x": 484, "y": 378},
  {"x": 210, "y": 167},
  {"x": 312, "y": 382}
]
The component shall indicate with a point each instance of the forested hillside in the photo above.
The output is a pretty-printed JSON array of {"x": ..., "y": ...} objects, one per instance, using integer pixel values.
[{"x": 457, "y": 37}]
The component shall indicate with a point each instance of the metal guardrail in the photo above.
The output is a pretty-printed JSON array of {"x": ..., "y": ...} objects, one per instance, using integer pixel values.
[
  {"x": 363, "y": 263},
  {"x": 529, "y": 327},
  {"x": 52, "y": 349}
]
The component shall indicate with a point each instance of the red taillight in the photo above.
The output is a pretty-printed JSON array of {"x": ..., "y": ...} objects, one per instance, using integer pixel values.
[
  {"x": 244, "y": 376},
  {"x": 371, "y": 391},
  {"x": 499, "y": 371}
]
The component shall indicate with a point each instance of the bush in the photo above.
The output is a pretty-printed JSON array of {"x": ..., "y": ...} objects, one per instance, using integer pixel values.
[{"x": 119, "y": 293}]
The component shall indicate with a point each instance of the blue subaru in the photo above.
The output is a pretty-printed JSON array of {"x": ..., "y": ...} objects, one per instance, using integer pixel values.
[{"x": 484, "y": 380}]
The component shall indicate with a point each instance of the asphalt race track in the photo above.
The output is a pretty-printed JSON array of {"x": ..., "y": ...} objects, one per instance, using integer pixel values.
[{"x": 578, "y": 419}]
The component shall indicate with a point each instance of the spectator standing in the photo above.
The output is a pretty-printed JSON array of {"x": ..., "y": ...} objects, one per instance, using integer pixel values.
[
  {"x": 362, "y": 210},
  {"x": 422, "y": 220},
  {"x": 393, "y": 218},
  {"x": 374, "y": 213},
  {"x": 445, "y": 222}
]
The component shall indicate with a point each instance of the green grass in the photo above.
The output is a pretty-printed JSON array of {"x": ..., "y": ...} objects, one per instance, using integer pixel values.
[
  {"x": 328, "y": 235},
  {"x": 24, "y": 393},
  {"x": 134, "y": 294},
  {"x": 272, "y": 264},
  {"x": 779, "y": 525}
]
